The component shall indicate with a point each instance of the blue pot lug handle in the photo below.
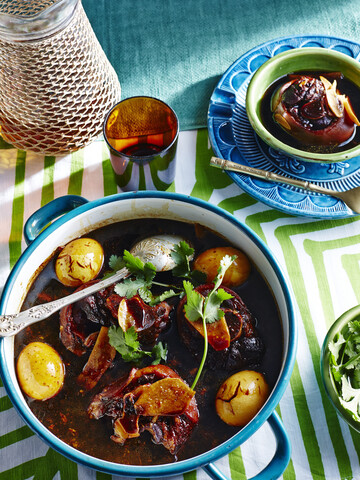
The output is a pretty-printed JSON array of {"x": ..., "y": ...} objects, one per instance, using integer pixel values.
[
  {"x": 49, "y": 212},
  {"x": 278, "y": 463}
]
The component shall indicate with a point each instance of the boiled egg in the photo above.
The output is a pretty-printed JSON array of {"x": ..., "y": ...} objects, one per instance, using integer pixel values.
[
  {"x": 79, "y": 262},
  {"x": 241, "y": 396},
  {"x": 40, "y": 371},
  {"x": 209, "y": 263}
]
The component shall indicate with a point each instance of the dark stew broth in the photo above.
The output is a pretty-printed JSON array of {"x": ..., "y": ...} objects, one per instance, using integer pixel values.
[{"x": 65, "y": 415}]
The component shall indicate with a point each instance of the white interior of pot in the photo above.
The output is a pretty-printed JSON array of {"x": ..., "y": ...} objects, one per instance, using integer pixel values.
[{"x": 127, "y": 209}]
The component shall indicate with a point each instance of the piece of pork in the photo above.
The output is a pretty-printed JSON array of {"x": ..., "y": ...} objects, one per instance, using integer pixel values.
[
  {"x": 153, "y": 398},
  {"x": 235, "y": 345},
  {"x": 80, "y": 320}
]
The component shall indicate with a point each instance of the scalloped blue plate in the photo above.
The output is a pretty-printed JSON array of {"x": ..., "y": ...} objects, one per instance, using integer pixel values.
[{"x": 233, "y": 138}]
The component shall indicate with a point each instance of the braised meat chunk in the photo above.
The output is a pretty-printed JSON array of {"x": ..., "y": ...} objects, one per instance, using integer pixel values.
[
  {"x": 234, "y": 342},
  {"x": 81, "y": 321},
  {"x": 153, "y": 399},
  {"x": 84, "y": 326},
  {"x": 313, "y": 111}
]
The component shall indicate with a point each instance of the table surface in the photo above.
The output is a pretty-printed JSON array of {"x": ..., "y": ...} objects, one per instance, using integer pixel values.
[
  {"x": 320, "y": 257},
  {"x": 177, "y": 50}
]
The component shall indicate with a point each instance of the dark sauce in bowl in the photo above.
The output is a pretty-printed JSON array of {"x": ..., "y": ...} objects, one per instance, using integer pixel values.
[
  {"x": 345, "y": 87},
  {"x": 66, "y": 416}
]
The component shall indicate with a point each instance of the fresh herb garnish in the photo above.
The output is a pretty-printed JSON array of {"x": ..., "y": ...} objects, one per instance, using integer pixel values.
[
  {"x": 182, "y": 254},
  {"x": 116, "y": 263},
  {"x": 142, "y": 275},
  {"x": 207, "y": 309},
  {"x": 345, "y": 367},
  {"x": 162, "y": 297},
  {"x": 128, "y": 346}
]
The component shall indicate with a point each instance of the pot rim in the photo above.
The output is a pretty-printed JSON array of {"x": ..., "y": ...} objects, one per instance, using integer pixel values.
[{"x": 182, "y": 465}]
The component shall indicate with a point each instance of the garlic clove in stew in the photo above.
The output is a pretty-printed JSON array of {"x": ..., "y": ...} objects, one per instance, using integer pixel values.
[
  {"x": 334, "y": 99},
  {"x": 349, "y": 110},
  {"x": 125, "y": 318},
  {"x": 218, "y": 333}
]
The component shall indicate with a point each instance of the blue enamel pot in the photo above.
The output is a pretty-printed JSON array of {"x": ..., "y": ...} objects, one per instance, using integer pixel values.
[{"x": 69, "y": 217}]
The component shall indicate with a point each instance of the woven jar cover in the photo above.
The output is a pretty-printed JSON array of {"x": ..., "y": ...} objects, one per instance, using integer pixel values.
[
  {"x": 55, "y": 92},
  {"x": 25, "y": 9}
]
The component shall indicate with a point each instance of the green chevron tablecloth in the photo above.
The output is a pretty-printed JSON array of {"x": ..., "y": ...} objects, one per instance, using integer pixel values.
[{"x": 321, "y": 259}]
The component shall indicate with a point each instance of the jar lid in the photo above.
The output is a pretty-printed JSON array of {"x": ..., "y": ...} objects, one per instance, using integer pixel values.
[{"x": 34, "y": 19}]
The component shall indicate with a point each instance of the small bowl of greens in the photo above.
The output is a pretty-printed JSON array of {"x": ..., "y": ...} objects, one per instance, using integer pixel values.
[{"x": 340, "y": 366}]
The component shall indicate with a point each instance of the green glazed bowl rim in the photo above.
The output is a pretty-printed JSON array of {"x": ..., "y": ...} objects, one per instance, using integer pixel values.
[
  {"x": 327, "y": 378},
  {"x": 256, "y": 86}
]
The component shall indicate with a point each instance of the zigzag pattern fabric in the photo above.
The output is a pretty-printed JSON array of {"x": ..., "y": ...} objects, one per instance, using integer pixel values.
[{"x": 320, "y": 257}]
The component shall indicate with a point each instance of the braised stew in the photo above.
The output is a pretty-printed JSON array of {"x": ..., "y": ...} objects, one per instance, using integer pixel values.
[
  {"x": 71, "y": 414},
  {"x": 313, "y": 111}
]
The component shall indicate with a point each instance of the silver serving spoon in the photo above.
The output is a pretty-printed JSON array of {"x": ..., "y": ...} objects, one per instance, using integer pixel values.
[
  {"x": 156, "y": 249},
  {"x": 350, "y": 197}
]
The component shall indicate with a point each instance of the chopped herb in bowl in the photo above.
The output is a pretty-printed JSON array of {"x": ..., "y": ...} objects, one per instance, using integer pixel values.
[{"x": 340, "y": 366}]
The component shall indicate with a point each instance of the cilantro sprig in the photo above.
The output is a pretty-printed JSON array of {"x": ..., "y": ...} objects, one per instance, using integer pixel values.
[
  {"x": 207, "y": 309},
  {"x": 126, "y": 343},
  {"x": 345, "y": 367},
  {"x": 141, "y": 280},
  {"x": 142, "y": 274},
  {"x": 182, "y": 255},
  {"x": 116, "y": 263}
]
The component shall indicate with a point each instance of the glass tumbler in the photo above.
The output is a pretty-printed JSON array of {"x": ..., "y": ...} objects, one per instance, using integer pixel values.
[{"x": 142, "y": 134}]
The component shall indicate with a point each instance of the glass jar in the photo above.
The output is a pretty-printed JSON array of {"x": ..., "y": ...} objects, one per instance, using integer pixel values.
[{"x": 56, "y": 83}]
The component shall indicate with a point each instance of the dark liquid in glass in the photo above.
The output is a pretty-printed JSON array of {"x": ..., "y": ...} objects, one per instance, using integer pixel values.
[{"x": 142, "y": 150}]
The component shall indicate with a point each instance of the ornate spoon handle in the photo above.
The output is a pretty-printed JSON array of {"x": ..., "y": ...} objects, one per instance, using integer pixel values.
[
  {"x": 266, "y": 175},
  {"x": 11, "y": 324},
  {"x": 156, "y": 249}
]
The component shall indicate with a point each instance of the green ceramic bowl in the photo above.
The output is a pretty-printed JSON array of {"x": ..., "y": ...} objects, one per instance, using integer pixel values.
[
  {"x": 295, "y": 60},
  {"x": 338, "y": 326}
]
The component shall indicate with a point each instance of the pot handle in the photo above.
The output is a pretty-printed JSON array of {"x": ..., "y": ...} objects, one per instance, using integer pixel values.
[
  {"x": 49, "y": 212},
  {"x": 278, "y": 463}
]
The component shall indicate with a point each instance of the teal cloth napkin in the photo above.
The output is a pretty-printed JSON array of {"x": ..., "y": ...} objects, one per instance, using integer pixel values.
[{"x": 177, "y": 50}]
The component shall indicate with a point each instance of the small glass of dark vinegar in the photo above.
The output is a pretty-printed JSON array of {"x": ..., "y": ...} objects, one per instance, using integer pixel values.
[{"x": 142, "y": 133}]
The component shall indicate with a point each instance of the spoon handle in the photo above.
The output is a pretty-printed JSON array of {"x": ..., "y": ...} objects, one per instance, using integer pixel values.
[
  {"x": 266, "y": 175},
  {"x": 11, "y": 324}
]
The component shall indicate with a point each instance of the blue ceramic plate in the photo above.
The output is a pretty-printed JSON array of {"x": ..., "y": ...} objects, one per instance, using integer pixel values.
[{"x": 233, "y": 138}]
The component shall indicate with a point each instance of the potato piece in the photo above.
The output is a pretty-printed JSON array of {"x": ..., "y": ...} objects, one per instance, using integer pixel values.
[
  {"x": 241, "y": 396},
  {"x": 209, "y": 263},
  {"x": 40, "y": 371},
  {"x": 168, "y": 396},
  {"x": 79, "y": 262}
]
